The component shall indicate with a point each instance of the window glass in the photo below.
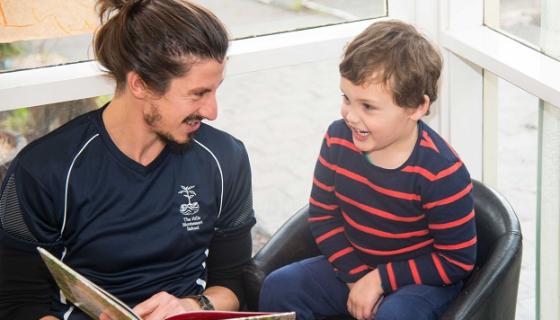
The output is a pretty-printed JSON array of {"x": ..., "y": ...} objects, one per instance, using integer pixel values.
[
  {"x": 281, "y": 115},
  {"x": 49, "y": 32},
  {"x": 534, "y": 22},
  {"x": 517, "y": 159},
  {"x": 20, "y": 127}
]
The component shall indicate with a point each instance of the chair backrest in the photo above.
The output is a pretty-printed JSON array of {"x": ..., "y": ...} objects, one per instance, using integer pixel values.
[{"x": 489, "y": 293}]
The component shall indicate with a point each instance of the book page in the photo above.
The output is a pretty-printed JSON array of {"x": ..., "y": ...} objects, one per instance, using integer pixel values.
[
  {"x": 221, "y": 315},
  {"x": 84, "y": 294}
]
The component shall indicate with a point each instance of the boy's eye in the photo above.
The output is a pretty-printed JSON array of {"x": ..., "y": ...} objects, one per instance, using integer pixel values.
[
  {"x": 368, "y": 106},
  {"x": 345, "y": 99}
]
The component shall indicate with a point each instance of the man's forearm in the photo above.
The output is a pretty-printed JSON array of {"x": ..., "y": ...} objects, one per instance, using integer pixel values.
[{"x": 222, "y": 298}]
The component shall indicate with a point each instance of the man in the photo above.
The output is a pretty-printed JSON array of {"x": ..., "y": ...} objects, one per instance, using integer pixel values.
[{"x": 140, "y": 196}]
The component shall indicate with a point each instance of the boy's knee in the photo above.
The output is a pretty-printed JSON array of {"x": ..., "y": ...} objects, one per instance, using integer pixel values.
[
  {"x": 277, "y": 286},
  {"x": 278, "y": 279},
  {"x": 397, "y": 310}
]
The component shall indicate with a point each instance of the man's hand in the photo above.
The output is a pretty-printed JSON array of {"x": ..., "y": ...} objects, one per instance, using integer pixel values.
[
  {"x": 365, "y": 296},
  {"x": 163, "y": 305},
  {"x": 49, "y": 318}
]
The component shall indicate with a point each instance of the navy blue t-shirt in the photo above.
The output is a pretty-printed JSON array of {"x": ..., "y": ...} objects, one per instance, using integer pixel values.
[{"x": 133, "y": 230}]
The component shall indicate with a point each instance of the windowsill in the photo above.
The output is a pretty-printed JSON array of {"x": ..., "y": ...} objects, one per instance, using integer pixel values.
[{"x": 525, "y": 67}]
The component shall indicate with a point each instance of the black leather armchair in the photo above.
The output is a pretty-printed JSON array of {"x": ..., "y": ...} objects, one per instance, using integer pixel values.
[{"x": 489, "y": 293}]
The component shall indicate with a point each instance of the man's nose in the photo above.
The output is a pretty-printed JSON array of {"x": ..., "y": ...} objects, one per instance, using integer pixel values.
[{"x": 210, "y": 108}]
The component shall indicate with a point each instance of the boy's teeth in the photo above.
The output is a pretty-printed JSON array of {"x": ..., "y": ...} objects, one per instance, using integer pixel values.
[{"x": 362, "y": 132}]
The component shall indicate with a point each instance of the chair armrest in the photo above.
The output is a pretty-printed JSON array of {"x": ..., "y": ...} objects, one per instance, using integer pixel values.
[{"x": 491, "y": 291}]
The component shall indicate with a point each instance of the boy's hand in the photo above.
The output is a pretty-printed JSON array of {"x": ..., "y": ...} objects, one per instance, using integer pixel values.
[
  {"x": 163, "y": 305},
  {"x": 365, "y": 296}
]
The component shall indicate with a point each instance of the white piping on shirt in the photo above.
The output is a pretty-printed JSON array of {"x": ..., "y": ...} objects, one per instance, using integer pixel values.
[
  {"x": 221, "y": 174},
  {"x": 200, "y": 281},
  {"x": 67, "y": 313},
  {"x": 61, "y": 294},
  {"x": 68, "y": 182}
]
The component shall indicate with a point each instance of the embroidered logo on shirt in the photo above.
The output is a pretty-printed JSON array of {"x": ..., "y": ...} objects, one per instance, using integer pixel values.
[{"x": 190, "y": 220}]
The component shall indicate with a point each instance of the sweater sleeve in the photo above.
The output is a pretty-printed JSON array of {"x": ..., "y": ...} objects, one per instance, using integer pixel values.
[
  {"x": 449, "y": 208},
  {"x": 326, "y": 222}
]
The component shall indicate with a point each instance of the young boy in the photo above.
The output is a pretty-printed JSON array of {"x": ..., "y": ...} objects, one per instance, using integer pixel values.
[{"x": 391, "y": 207}]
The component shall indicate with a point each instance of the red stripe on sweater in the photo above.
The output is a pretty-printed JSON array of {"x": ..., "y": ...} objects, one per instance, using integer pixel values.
[
  {"x": 429, "y": 175},
  {"x": 327, "y": 164},
  {"x": 340, "y": 253},
  {"x": 414, "y": 272},
  {"x": 464, "y": 266},
  {"x": 343, "y": 142},
  {"x": 329, "y": 234},
  {"x": 356, "y": 177},
  {"x": 319, "y": 218},
  {"x": 358, "y": 269},
  {"x": 321, "y": 205},
  {"x": 457, "y": 246},
  {"x": 322, "y": 185},
  {"x": 440, "y": 269},
  {"x": 383, "y": 234},
  {"x": 450, "y": 199},
  {"x": 377, "y": 212},
  {"x": 452, "y": 224},
  {"x": 428, "y": 142},
  {"x": 394, "y": 252},
  {"x": 385, "y": 191},
  {"x": 391, "y": 275}
]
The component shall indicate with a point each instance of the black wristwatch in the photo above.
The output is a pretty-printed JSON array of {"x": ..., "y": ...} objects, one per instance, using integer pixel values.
[{"x": 203, "y": 301}]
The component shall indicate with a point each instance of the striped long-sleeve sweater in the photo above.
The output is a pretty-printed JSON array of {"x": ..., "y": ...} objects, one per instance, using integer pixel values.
[{"x": 414, "y": 223}]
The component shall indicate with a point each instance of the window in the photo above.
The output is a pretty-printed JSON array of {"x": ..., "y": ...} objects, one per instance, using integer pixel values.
[
  {"x": 51, "y": 32},
  {"x": 281, "y": 115},
  {"x": 534, "y": 22},
  {"x": 21, "y": 126},
  {"x": 514, "y": 139}
]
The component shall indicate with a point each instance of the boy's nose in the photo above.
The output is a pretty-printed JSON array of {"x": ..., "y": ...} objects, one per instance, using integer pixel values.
[{"x": 351, "y": 117}]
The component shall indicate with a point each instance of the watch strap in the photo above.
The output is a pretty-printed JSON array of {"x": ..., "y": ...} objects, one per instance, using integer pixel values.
[{"x": 203, "y": 301}]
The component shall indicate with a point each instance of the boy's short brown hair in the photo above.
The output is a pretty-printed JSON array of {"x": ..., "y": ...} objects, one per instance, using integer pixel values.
[{"x": 396, "y": 54}]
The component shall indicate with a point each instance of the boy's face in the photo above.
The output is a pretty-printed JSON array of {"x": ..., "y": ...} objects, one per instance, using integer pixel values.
[{"x": 377, "y": 123}]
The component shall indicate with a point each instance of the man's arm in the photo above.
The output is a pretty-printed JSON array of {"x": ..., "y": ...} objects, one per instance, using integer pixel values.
[
  {"x": 229, "y": 255},
  {"x": 25, "y": 284}
]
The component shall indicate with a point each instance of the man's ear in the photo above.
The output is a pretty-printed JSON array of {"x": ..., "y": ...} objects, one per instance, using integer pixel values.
[
  {"x": 136, "y": 85},
  {"x": 420, "y": 111}
]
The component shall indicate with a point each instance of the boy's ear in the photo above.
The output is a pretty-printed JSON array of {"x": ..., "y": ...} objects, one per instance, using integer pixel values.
[
  {"x": 136, "y": 85},
  {"x": 421, "y": 110}
]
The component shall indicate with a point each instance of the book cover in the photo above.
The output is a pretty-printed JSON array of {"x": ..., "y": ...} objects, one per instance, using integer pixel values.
[{"x": 93, "y": 300}]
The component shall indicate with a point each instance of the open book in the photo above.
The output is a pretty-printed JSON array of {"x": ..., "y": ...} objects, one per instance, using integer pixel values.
[{"x": 93, "y": 300}]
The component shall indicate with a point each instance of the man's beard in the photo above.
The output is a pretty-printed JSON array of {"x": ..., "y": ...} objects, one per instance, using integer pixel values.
[
  {"x": 154, "y": 117},
  {"x": 173, "y": 144}
]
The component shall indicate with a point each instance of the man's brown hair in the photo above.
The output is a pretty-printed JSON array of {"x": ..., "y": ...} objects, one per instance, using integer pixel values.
[
  {"x": 397, "y": 55},
  {"x": 158, "y": 39}
]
